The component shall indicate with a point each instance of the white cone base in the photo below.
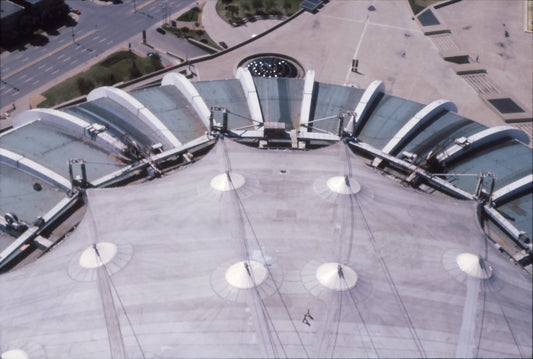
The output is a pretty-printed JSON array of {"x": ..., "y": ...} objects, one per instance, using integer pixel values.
[
  {"x": 328, "y": 275},
  {"x": 15, "y": 354},
  {"x": 238, "y": 277},
  {"x": 222, "y": 183},
  {"x": 470, "y": 264},
  {"x": 338, "y": 184},
  {"x": 89, "y": 259}
]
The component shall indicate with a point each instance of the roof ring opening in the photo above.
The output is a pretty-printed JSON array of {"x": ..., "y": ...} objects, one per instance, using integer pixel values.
[
  {"x": 336, "y": 276},
  {"x": 227, "y": 181},
  {"x": 246, "y": 274},
  {"x": 91, "y": 259},
  {"x": 343, "y": 185},
  {"x": 474, "y": 266},
  {"x": 15, "y": 354}
]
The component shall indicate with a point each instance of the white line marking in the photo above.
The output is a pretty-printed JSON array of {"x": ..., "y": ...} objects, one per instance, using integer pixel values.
[{"x": 55, "y": 72}]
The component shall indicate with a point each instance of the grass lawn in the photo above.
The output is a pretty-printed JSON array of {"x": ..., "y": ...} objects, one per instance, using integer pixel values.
[
  {"x": 419, "y": 5},
  {"x": 232, "y": 10},
  {"x": 191, "y": 16},
  {"x": 197, "y": 33},
  {"x": 120, "y": 66}
]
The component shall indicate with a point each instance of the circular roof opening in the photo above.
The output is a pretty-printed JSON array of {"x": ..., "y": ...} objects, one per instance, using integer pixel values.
[
  {"x": 246, "y": 274},
  {"x": 343, "y": 185},
  {"x": 14, "y": 354},
  {"x": 474, "y": 266},
  {"x": 336, "y": 276},
  {"x": 90, "y": 259},
  {"x": 272, "y": 65},
  {"x": 227, "y": 181}
]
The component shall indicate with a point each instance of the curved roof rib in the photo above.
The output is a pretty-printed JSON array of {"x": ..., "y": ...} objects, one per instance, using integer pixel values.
[
  {"x": 71, "y": 124},
  {"x": 423, "y": 117},
  {"x": 512, "y": 189},
  {"x": 307, "y": 100},
  {"x": 373, "y": 91},
  {"x": 187, "y": 89},
  {"x": 490, "y": 135},
  {"x": 137, "y": 109},
  {"x": 248, "y": 86},
  {"x": 13, "y": 159}
]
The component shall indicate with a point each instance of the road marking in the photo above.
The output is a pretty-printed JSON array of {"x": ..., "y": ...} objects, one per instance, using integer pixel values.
[
  {"x": 96, "y": 37},
  {"x": 55, "y": 72},
  {"x": 109, "y": 42},
  {"x": 68, "y": 58},
  {"x": 62, "y": 40},
  {"x": 36, "y": 82},
  {"x": 103, "y": 39},
  {"x": 25, "y": 59},
  {"x": 23, "y": 76},
  {"x": 49, "y": 68},
  {"x": 40, "y": 67},
  {"x": 61, "y": 56},
  {"x": 29, "y": 79},
  {"x": 47, "y": 55}
]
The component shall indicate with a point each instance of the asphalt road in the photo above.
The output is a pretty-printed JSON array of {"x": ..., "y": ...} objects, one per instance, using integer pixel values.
[{"x": 99, "y": 28}]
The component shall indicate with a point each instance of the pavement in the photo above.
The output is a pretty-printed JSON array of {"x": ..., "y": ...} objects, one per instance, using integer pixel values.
[{"x": 389, "y": 44}]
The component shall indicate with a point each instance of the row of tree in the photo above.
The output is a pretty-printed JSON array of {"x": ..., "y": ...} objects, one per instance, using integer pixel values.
[{"x": 50, "y": 15}]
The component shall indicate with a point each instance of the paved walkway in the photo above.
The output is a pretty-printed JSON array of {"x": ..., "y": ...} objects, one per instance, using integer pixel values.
[{"x": 219, "y": 30}]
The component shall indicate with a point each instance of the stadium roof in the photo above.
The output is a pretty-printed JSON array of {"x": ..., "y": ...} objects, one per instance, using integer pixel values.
[{"x": 308, "y": 246}]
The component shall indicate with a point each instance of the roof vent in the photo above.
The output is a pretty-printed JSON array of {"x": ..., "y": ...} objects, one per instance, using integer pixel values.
[
  {"x": 227, "y": 181},
  {"x": 97, "y": 255},
  {"x": 474, "y": 266},
  {"x": 246, "y": 274},
  {"x": 274, "y": 129},
  {"x": 343, "y": 185},
  {"x": 336, "y": 276}
]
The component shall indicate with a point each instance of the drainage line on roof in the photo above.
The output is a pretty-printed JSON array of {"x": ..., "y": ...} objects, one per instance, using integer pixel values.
[
  {"x": 387, "y": 273},
  {"x": 242, "y": 211},
  {"x": 348, "y": 175},
  {"x": 257, "y": 297}
]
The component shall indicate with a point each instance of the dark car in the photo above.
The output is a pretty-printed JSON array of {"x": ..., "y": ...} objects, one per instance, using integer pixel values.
[{"x": 161, "y": 31}]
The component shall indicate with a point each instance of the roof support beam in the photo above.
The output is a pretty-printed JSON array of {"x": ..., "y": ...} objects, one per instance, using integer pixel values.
[
  {"x": 137, "y": 109},
  {"x": 14, "y": 249},
  {"x": 423, "y": 117},
  {"x": 187, "y": 89},
  {"x": 434, "y": 180},
  {"x": 71, "y": 124},
  {"x": 490, "y": 135},
  {"x": 512, "y": 189},
  {"x": 24, "y": 164},
  {"x": 248, "y": 86}
]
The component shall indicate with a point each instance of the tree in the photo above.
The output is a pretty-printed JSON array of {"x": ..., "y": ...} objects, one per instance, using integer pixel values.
[
  {"x": 257, "y": 4},
  {"x": 85, "y": 86},
  {"x": 233, "y": 11}
]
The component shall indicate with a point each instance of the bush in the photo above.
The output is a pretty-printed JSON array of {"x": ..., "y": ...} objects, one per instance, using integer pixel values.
[{"x": 84, "y": 85}]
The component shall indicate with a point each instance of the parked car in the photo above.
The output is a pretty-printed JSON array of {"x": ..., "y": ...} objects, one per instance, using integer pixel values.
[
  {"x": 161, "y": 31},
  {"x": 75, "y": 11}
]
